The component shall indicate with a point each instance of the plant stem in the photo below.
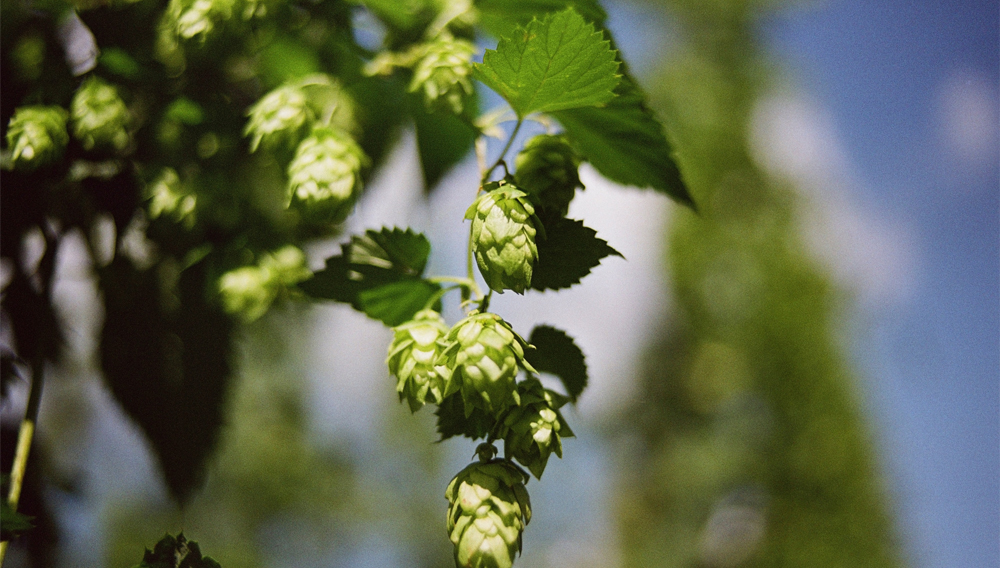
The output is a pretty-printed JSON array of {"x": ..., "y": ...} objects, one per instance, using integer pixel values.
[{"x": 510, "y": 141}]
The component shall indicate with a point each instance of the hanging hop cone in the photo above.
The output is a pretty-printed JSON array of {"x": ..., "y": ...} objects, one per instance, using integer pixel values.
[
  {"x": 534, "y": 430},
  {"x": 325, "y": 174},
  {"x": 168, "y": 198},
  {"x": 444, "y": 74},
  {"x": 36, "y": 135},
  {"x": 197, "y": 19},
  {"x": 503, "y": 237},
  {"x": 278, "y": 119},
  {"x": 488, "y": 510},
  {"x": 250, "y": 290},
  {"x": 547, "y": 169},
  {"x": 484, "y": 355},
  {"x": 413, "y": 357},
  {"x": 99, "y": 116}
]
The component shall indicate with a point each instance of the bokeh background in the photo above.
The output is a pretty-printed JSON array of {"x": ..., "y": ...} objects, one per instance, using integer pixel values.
[{"x": 805, "y": 375}]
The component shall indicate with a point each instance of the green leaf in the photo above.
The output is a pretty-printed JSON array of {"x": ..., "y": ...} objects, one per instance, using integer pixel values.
[
  {"x": 625, "y": 142},
  {"x": 567, "y": 253},
  {"x": 451, "y": 420},
  {"x": 501, "y": 17},
  {"x": 379, "y": 274},
  {"x": 177, "y": 552},
  {"x": 442, "y": 140},
  {"x": 12, "y": 523},
  {"x": 557, "y": 63},
  {"x": 555, "y": 352}
]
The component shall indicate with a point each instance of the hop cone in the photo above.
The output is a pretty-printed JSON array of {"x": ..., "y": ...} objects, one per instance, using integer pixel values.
[
  {"x": 413, "y": 355},
  {"x": 488, "y": 509},
  {"x": 534, "y": 430},
  {"x": 250, "y": 290},
  {"x": 191, "y": 19},
  {"x": 169, "y": 199},
  {"x": 444, "y": 74},
  {"x": 503, "y": 237},
  {"x": 100, "y": 117},
  {"x": 547, "y": 170},
  {"x": 484, "y": 356},
  {"x": 325, "y": 174},
  {"x": 37, "y": 135},
  {"x": 278, "y": 118}
]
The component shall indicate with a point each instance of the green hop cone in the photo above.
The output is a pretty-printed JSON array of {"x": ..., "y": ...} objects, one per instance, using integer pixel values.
[
  {"x": 325, "y": 174},
  {"x": 547, "y": 169},
  {"x": 488, "y": 510},
  {"x": 249, "y": 291},
  {"x": 444, "y": 74},
  {"x": 413, "y": 357},
  {"x": 503, "y": 237},
  {"x": 36, "y": 135},
  {"x": 99, "y": 116},
  {"x": 484, "y": 355},
  {"x": 534, "y": 430},
  {"x": 168, "y": 198},
  {"x": 197, "y": 18},
  {"x": 279, "y": 118}
]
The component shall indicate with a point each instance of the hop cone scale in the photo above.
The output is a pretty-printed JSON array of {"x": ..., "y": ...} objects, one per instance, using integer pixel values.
[
  {"x": 488, "y": 510},
  {"x": 413, "y": 356},
  {"x": 503, "y": 237}
]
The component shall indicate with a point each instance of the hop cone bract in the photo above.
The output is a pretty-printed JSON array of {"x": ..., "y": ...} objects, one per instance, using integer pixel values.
[
  {"x": 535, "y": 428},
  {"x": 547, "y": 169},
  {"x": 503, "y": 237},
  {"x": 278, "y": 118},
  {"x": 100, "y": 117},
  {"x": 37, "y": 135},
  {"x": 413, "y": 356},
  {"x": 325, "y": 174},
  {"x": 488, "y": 510},
  {"x": 444, "y": 74}
]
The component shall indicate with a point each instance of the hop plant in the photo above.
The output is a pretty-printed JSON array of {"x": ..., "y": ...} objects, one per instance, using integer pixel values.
[
  {"x": 99, "y": 116},
  {"x": 547, "y": 169},
  {"x": 249, "y": 291},
  {"x": 444, "y": 73},
  {"x": 488, "y": 510},
  {"x": 535, "y": 428},
  {"x": 36, "y": 135},
  {"x": 278, "y": 118},
  {"x": 197, "y": 19},
  {"x": 325, "y": 174},
  {"x": 484, "y": 355},
  {"x": 503, "y": 237},
  {"x": 168, "y": 198},
  {"x": 413, "y": 357}
]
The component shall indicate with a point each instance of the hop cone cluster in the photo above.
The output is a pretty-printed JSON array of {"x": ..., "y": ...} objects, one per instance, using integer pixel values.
[
  {"x": 196, "y": 19},
  {"x": 99, "y": 116},
  {"x": 444, "y": 74},
  {"x": 36, "y": 135},
  {"x": 413, "y": 357},
  {"x": 488, "y": 509},
  {"x": 535, "y": 428},
  {"x": 325, "y": 174},
  {"x": 503, "y": 237},
  {"x": 547, "y": 169},
  {"x": 278, "y": 118},
  {"x": 484, "y": 356},
  {"x": 250, "y": 290},
  {"x": 169, "y": 199}
]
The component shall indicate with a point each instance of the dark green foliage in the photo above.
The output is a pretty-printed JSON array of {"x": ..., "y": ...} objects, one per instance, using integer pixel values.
[
  {"x": 501, "y": 17},
  {"x": 179, "y": 552},
  {"x": 453, "y": 421},
  {"x": 567, "y": 253},
  {"x": 442, "y": 140},
  {"x": 555, "y": 352},
  {"x": 13, "y": 523}
]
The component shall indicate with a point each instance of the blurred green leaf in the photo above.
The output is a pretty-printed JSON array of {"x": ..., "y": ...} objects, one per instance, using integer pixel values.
[
  {"x": 501, "y": 17},
  {"x": 12, "y": 523},
  {"x": 442, "y": 140},
  {"x": 177, "y": 552}
]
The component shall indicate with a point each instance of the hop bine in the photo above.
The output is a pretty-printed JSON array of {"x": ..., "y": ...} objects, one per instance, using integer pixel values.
[
  {"x": 547, "y": 169},
  {"x": 36, "y": 135},
  {"x": 413, "y": 356},
  {"x": 503, "y": 237}
]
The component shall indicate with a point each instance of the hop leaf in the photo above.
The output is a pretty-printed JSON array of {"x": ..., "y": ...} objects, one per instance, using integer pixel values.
[
  {"x": 488, "y": 510},
  {"x": 503, "y": 237},
  {"x": 444, "y": 74},
  {"x": 168, "y": 198},
  {"x": 484, "y": 355},
  {"x": 37, "y": 135},
  {"x": 413, "y": 356},
  {"x": 325, "y": 174},
  {"x": 250, "y": 290},
  {"x": 547, "y": 171},
  {"x": 535, "y": 429},
  {"x": 278, "y": 118},
  {"x": 99, "y": 116}
]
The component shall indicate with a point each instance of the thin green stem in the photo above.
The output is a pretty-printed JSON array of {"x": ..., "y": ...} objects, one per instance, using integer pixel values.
[{"x": 510, "y": 142}]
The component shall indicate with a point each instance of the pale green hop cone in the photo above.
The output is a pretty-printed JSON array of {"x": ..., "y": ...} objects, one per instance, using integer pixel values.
[
  {"x": 279, "y": 118},
  {"x": 36, "y": 135},
  {"x": 413, "y": 356},
  {"x": 548, "y": 170},
  {"x": 484, "y": 355},
  {"x": 444, "y": 74},
  {"x": 534, "y": 430},
  {"x": 325, "y": 175},
  {"x": 488, "y": 510},
  {"x": 99, "y": 116},
  {"x": 503, "y": 237}
]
